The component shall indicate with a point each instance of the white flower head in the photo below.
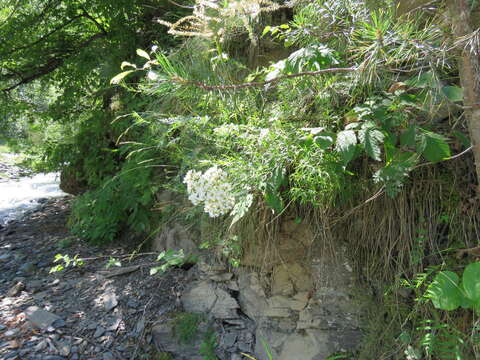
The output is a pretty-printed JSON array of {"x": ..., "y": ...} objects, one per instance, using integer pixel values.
[
  {"x": 151, "y": 75},
  {"x": 212, "y": 188}
]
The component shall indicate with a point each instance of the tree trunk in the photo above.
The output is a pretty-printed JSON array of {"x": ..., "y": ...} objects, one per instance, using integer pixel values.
[{"x": 469, "y": 70}]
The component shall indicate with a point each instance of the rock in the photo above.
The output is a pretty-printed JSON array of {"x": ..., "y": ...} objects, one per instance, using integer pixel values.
[
  {"x": 176, "y": 238},
  {"x": 5, "y": 257},
  {"x": 309, "y": 347},
  {"x": 58, "y": 324},
  {"x": 110, "y": 301},
  {"x": 140, "y": 326},
  {"x": 11, "y": 333},
  {"x": 64, "y": 348},
  {"x": 34, "y": 285},
  {"x": 221, "y": 277},
  {"x": 16, "y": 289},
  {"x": 291, "y": 277},
  {"x": 199, "y": 298},
  {"x": 114, "y": 324},
  {"x": 165, "y": 340},
  {"x": 205, "y": 297},
  {"x": 40, "y": 318},
  {"x": 99, "y": 332},
  {"x": 252, "y": 297},
  {"x": 40, "y": 346},
  {"x": 108, "y": 356},
  {"x": 226, "y": 306},
  {"x": 28, "y": 268}
]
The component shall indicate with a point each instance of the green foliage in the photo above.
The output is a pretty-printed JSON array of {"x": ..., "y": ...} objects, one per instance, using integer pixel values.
[
  {"x": 67, "y": 262},
  {"x": 171, "y": 258},
  {"x": 186, "y": 327},
  {"x": 447, "y": 293},
  {"x": 441, "y": 341},
  {"x": 207, "y": 347}
]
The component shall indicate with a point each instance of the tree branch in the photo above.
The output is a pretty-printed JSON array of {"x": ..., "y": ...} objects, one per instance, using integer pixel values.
[
  {"x": 273, "y": 82},
  {"x": 99, "y": 26},
  {"x": 46, "y": 35},
  {"x": 52, "y": 64}
]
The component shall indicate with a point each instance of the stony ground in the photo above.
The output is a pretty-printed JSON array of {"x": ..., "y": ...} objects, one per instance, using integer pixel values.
[{"x": 82, "y": 312}]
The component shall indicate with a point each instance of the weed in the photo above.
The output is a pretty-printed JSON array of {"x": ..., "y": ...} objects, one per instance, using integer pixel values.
[{"x": 186, "y": 326}]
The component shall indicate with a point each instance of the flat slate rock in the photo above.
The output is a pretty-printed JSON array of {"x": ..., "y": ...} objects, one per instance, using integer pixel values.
[{"x": 40, "y": 318}]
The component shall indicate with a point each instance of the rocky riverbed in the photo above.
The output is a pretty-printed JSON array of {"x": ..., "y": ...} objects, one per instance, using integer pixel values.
[{"x": 83, "y": 312}]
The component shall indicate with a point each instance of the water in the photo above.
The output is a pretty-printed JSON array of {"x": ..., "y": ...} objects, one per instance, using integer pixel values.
[{"x": 19, "y": 196}]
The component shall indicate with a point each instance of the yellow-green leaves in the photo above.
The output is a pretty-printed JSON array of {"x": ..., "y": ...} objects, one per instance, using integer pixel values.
[
  {"x": 118, "y": 78},
  {"x": 143, "y": 54}
]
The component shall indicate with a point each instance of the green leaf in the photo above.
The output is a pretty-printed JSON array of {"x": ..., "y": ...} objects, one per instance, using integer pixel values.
[
  {"x": 241, "y": 208},
  {"x": 273, "y": 200},
  {"x": 444, "y": 291},
  {"x": 346, "y": 143},
  {"x": 471, "y": 281},
  {"x": 116, "y": 80},
  {"x": 464, "y": 139},
  {"x": 453, "y": 93},
  {"x": 278, "y": 178},
  {"x": 436, "y": 147},
  {"x": 408, "y": 136},
  {"x": 266, "y": 30},
  {"x": 371, "y": 139},
  {"x": 324, "y": 140},
  {"x": 314, "y": 57},
  {"x": 143, "y": 54}
]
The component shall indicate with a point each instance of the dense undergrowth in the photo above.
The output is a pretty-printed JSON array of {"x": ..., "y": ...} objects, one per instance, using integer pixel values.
[{"x": 340, "y": 112}]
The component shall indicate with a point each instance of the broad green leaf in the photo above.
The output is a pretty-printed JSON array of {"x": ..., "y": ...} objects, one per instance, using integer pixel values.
[
  {"x": 371, "y": 139},
  {"x": 118, "y": 78},
  {"x": 453, "y": 93},
  {"x": 143, "y": 54},
  {"x": 408, "y": 136},
  {"x": 277, "y": 178},
  {"x": 273, "y": 200},
  {"x": 346, "y": 143},
  {"x": 306, "y": 141},
  {"x": 471, "y": 281},
  {"x": 436, "y": 148},
  {"x": 444, "y": 291},
  {"x": 266, "y": 30},
  {"x": 324, "y": 140},
  {"x": 314, "y": 57},
  {"x": 464, "y": 139}
]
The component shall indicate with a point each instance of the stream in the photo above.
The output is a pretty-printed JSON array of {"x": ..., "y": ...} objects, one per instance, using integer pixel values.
[{"x": 17, "y": 196}]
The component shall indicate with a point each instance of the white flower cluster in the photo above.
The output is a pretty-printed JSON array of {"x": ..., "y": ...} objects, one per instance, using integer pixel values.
[{"x": 211, "y": 188}]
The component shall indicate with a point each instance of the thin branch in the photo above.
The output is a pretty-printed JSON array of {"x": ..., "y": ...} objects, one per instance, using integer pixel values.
[
  {"x": 272, "y": 82},
  {"x": 99, "y": 26},
  {"x": 179, "y": 5},
  {"x": 381, "y": 191},
  {"x": 52, "y": 64},
  {"x": 16, "y": 7},
  {"x": 447, "y": 159},
  {"x": 46, "y": 35}
]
